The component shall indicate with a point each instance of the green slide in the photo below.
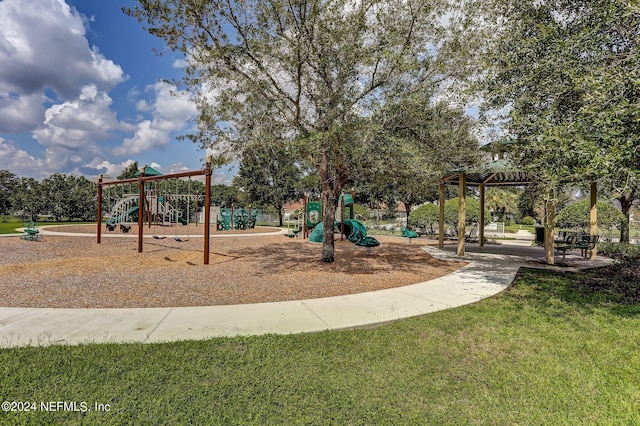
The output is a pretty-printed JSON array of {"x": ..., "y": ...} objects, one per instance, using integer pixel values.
[{"x": 354, "y": 229}]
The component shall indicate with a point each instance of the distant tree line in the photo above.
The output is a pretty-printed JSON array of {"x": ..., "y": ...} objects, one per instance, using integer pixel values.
[{"x": 59, "y": 196}]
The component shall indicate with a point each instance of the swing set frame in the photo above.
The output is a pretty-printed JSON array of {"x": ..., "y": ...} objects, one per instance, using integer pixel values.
[{"x": 207, "y": 172}]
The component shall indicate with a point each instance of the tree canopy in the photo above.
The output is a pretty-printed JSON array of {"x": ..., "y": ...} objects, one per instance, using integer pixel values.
[
  {"x": 317, "y": 70},
  {"x": 564, "y": 77}
]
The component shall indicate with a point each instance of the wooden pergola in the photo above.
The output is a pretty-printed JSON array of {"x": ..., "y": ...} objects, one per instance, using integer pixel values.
[{"x": 500, "y": 173}]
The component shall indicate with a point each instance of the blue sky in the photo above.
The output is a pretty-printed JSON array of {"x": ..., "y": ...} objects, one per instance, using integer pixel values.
[{"x": 80, "y": 92}]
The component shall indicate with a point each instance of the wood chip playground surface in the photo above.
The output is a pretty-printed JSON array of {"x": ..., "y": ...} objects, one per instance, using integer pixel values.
[{"x": 76, "y": 272}]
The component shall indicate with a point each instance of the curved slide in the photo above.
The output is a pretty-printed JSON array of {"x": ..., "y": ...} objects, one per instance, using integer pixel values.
[{"x": 354, "y": 229}]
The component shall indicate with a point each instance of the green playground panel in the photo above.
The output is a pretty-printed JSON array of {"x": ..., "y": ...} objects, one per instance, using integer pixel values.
[
  {"x": 242, "y": 219},
  {"x": 314, "y": 213}
]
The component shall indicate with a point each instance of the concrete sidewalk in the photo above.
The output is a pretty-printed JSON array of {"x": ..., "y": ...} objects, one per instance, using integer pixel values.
[{"x": 484, "y": 276}]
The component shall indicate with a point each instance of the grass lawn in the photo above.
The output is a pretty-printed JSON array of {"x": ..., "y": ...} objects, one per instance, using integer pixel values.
[
  {"x": 515, "y": 227},
  {"x": 10, "y": 226},
  {"x": 552, "y": 349}
]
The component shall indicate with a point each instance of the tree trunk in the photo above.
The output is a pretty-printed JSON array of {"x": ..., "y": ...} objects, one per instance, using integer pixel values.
[
  {"x": 330, "y": 203},
  {"x": 280, "y": 215},
  {"x": 331, "y": 188},
  {"x": 407, "y": 207},
  {"x": 625, "y": 202}
]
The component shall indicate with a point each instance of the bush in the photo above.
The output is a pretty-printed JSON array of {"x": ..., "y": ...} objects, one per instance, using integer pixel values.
[
  {"x": 576, "y": 215},
  {"x": 528, "y": 220},
  {"x": 425, "y": 216},
  {"x": 620, "y": 251}
]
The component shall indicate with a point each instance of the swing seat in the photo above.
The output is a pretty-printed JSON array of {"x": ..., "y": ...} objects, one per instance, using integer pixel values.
[
  {"x": 178, "y": 239},
  {"x": 156, "y": 237}
]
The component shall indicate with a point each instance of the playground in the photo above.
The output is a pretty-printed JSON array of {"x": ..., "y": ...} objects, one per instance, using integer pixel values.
[{"x": 245, "y": 267}]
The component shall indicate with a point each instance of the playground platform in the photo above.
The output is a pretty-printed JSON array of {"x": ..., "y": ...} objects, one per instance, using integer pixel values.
[{"x": 491, "y": 269}]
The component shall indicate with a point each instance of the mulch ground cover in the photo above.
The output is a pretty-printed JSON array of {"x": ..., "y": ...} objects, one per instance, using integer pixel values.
[{"x": 76, "y": 272}]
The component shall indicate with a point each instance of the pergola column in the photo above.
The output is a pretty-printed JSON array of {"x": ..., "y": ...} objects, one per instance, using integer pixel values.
[
  {"x": 441, "y": 216},
  {"x": 593, "y": 217},
  {"x": 481, "y": 226},
  {"x": 462, "y": 212},
  {"x": 549, "y": 223}
]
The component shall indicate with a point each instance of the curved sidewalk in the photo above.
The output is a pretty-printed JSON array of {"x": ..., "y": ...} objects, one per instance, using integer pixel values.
[{"x": 484, "y": 276}]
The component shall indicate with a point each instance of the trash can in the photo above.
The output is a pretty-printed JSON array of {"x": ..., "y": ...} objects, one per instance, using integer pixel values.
[{"x": 540, "y": 235}]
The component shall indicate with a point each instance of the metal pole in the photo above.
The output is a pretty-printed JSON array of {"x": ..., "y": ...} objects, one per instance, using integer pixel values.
[
  {"x": 140, "y": 213},
  {"x": 441, "y": 216},
  {"x": 593, "y": 217},
  {"x": 207, "y": 211},
  {"x": 99, "y": 216},
  {"x": 462, "y": 212},
  {"x": 482, "y": 215}
]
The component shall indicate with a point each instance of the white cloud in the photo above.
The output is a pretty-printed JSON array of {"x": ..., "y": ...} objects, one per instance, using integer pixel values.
[
  {"x": 17, "y": 160},
  {"x": 20, "y": 113},
  {"x": 171, "y": 110},
  {"x": 71, "y": 130},
  {"x": 43, "y": 46}
]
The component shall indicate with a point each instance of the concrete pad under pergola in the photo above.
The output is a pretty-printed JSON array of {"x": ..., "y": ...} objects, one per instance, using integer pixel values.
[{"x": 499, "y": 173}]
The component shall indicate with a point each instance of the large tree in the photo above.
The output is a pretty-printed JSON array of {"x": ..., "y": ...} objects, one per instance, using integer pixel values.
[
  {"x": 316, "y": 68},
  {"x": 565, "y": 74}
]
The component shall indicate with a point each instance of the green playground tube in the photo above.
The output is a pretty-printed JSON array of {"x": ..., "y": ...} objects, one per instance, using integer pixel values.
[
  {"x": 355, "y": 231},
  {"x": 317, "y": 234}
]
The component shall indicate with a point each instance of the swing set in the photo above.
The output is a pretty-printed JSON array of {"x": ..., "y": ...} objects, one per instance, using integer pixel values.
[
  {"x": 161, "y": 207},
  {"x": 144, "y": 208}
]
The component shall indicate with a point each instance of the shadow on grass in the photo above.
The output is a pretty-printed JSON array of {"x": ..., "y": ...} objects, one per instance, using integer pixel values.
[{"x": 611, "y": 288}]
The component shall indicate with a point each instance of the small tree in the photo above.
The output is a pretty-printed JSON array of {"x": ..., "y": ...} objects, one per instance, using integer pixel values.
[
  {"x": 452, "y": 209},
  {"x": 427, "y": 215},
  {"x": 269, "y": 176}
]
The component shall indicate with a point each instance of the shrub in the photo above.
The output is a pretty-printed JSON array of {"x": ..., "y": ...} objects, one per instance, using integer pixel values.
[
  {"x": 425, "y": 215},
  {"x": 576, "y": 215},
  {"x": 528, "y": 220},
  {"x": 620, "y": 251}
]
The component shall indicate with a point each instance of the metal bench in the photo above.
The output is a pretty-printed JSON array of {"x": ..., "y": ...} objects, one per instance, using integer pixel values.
[
  {"x": 586, "y": 244},
  {"x": 565, "y": 245}
]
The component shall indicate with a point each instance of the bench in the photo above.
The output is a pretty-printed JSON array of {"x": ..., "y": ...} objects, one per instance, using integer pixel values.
[
  {"x": 586, "y": 244},
  {"x": 565, "y": 245},
  {"x": 293, "y": 233}
]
